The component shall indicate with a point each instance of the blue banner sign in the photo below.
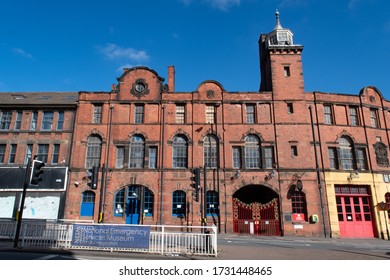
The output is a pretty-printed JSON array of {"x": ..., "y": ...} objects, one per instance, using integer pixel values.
[{"x": 111, "y": 236}]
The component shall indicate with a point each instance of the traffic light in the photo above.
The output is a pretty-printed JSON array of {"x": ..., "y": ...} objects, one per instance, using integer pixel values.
[
  {"x": 92, "y": 177},
  {"x": 36, "y": 172},
  {"x": 195, "y": 182}
]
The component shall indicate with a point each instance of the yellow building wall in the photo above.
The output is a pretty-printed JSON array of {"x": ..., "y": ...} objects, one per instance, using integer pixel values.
[{"x": 378, "y": 189}]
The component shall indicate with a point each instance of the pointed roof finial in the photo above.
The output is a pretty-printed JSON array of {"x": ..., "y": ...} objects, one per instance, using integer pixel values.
[{"x": 278, "y": 25}]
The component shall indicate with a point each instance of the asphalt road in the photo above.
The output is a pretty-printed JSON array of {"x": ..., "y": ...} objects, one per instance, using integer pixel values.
[{"x": 233, "y": 247}]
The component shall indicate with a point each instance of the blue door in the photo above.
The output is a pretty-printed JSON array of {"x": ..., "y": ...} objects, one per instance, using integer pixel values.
[
  {"x": 88, "y": 204},
  {"x": 132, "y": 211}
]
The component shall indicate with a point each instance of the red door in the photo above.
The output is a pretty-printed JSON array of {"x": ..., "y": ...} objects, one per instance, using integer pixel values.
[{"x": 354, "y": 214}]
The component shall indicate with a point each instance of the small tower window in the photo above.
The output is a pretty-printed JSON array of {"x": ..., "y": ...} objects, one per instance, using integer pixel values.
[
  {"x": 286, "y": 70},
  {"x": 290, "y": 108}
]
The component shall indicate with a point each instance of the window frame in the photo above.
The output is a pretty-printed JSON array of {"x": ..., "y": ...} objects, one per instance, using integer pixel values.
[
  {"x": 139, "y": 114},
  {"x": 179, "y": 197},
  {"x": 179, "y": 152}
]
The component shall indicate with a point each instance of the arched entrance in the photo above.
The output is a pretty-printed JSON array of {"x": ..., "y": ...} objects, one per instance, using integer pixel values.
[
  {"x": 256, "y": 211},
  {"x": 134, "y": 203}
]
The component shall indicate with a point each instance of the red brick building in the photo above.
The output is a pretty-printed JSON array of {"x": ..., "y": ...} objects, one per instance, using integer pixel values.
[
  {"x": 35, "y": 125},
  {"x": 278, "y": 161}
]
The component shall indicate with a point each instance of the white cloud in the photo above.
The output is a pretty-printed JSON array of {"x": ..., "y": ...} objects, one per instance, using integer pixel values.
[
  {"x": 114, "y": 52},
  {"x": 22, "y": 53}
]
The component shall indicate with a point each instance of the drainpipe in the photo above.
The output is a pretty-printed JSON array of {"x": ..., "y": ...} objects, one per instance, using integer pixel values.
[
  {"x": 318, "y": 171},
  {"x": 162, "y": 164}
]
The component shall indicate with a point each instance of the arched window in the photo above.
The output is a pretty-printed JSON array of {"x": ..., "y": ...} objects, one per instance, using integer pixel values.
[
  {"x": 94, "y": 148},
  {"x": 212, "y": 203},
  {"x": 252, "y": 152},
  {"x": 179, "y": 146},
  {"x": 210, "y": 151},
  {"x": 346, "y": 154},
  {"x": 387, "y": 198},
  {"x": 178, "y": 203},
  {"x": 298, "y": 202},
  {"x": 137, "y": 152},
  {"x": 87, "y": 204},
  {"x": 134, "y": 192}
]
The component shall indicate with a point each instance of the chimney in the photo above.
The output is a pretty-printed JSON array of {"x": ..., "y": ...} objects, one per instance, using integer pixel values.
[{"x": 171, "y": 78}]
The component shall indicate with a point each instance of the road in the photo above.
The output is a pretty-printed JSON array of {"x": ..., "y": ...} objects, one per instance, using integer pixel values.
[{"x": 233, "y": 247}]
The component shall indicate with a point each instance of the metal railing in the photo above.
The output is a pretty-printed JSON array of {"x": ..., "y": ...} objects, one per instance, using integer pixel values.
[{"x": 163, "y": 239}]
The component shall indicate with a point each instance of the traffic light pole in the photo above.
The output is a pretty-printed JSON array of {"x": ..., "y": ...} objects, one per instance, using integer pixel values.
[
  {"x": 20, "y": 212},
  {"x": 204, "y": 212}
]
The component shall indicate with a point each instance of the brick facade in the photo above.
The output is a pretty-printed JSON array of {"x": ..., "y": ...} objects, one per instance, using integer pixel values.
[{"x": 280, "y": 149}]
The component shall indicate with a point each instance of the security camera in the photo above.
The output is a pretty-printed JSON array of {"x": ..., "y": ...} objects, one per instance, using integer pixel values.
[{"x": 76, "y": 184}]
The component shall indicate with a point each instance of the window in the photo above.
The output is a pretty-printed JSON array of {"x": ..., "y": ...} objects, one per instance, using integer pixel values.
[
  {"x": 178, "y": 203},
  {"x": 43, "y": 152},
  {"x": 298, "y": 202},
  {"x": 328, "y": 114},
  {"x": 353, "y": 116},
  {"x": 346, "y": 155},
  {"x": 139, "y": 114},
  {"x": 120, "y": 157},
  {"x": 286, "y": 71},
  {"x": 29, "y": 151},
  {"x": 5, "y": 120},
  {"x": 210, "y": 114},
  {"x": 180, "y": 114},
  {"x": 137, "y": 152},
  {"x": 152, "y": 157},
  {"x": 210, "y": 151},
  {"x": 179, "y": 146},
  {"x": 212, "y": 203},
  {"x": 268, "y": 157},
  {"x": 290, "y": 108},
  {"x": 294, "y": 151},
  {"x": 34, "y": 121},
  {"x": 18, "y": 121},
  {"x": 2, "y": 152},
  {"x": 97, "y": 114},
  {"x": 361, "y": 159},
  {"x": 374, "y": 118},
  {"x": 119, "y": 203},
  {"x": 60, "y": 120},
  {"x": 237, "y": 157},
  {"x": 94, "y": 147},
  {"x": 387, "y": 199},
  {"x": 386, "y": 178},
  {"x": 148, "y": 202},
  {"x": 47, "y": 121},
  {"x": 252, "y": 152},
  {"x": 56, "y": 154},
  {"x": 250, "y": 114},
  {"x": 333, "y": 158},
  {"x": 12, "y": 153}
]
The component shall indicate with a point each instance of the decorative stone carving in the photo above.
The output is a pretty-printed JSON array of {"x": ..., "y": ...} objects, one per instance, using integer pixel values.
[{"x": 381, "y": 154}]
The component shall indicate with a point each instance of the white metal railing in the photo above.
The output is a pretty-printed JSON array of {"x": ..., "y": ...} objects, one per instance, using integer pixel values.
[{"x": 164, "y": 239}]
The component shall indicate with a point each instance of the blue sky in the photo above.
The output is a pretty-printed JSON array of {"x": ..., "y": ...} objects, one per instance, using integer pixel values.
[{"x": 77, "y": 45}]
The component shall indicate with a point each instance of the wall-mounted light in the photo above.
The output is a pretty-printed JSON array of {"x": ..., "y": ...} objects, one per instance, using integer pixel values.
[
  {"x": 236, "y": 175},
  {"x": 270, "y": 175},
  {"x": 77, "y": 184}
]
